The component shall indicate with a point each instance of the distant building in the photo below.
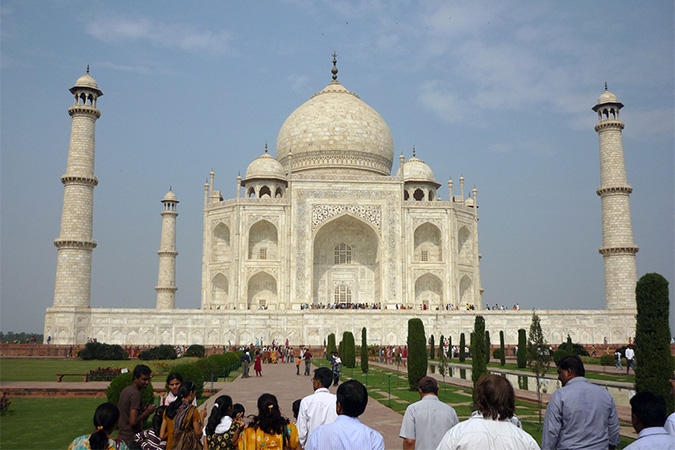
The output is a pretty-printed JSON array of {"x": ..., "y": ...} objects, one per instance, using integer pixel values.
[{"x": 323, "y": 238}]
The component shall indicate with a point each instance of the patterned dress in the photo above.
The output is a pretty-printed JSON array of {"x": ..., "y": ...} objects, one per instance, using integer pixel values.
[
  {"x": 256, "y": 439},
  {"x": 82, "y": 443}
]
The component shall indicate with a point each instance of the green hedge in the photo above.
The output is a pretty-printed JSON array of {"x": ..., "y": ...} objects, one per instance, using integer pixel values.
[
  {"x": 99, "y": 350},
  {"x": 159, "y": 352},
  {"x": 195, "y": 350}
]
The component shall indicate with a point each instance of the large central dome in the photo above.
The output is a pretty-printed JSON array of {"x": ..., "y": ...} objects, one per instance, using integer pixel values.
[{"x": 335, "y": 132}]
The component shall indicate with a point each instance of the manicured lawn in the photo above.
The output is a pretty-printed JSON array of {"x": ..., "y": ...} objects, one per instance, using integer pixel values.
[
  {"x": 46, "y": 423},
  {"x": 28, "y": 369}
]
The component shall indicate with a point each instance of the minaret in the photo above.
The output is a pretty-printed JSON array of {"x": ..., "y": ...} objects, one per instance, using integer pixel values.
[
  {"x": 166, "y": 280},
  {"x": 618, "y": 249},
  {"x": 75, "y": 242}
]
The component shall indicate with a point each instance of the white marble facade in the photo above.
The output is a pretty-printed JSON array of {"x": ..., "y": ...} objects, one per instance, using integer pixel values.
[{"x": 323, "y": 238}]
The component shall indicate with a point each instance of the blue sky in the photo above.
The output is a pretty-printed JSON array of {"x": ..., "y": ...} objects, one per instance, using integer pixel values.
[{"x": 497, "y": 92}]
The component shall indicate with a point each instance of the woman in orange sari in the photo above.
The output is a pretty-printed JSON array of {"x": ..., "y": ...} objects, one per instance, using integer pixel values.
[{"x": 269, "y": 429}]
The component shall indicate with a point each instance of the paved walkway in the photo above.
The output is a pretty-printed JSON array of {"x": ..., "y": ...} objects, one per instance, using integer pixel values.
[{"x": 281, "y": 380}]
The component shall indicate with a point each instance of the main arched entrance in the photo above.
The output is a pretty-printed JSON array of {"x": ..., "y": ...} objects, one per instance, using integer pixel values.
[{"x": 346, "y": 268}]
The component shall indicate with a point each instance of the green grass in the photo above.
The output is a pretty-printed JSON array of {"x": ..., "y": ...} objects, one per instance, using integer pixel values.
[{"x": 46, "y": 423}]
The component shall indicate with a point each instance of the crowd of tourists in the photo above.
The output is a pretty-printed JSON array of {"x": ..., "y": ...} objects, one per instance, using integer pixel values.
[{"x": 579, "y": 415}]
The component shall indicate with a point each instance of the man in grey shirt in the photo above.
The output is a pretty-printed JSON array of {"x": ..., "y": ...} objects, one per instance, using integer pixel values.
[
  {"x": 425, "y": 422},
  {"x": 580, "y": 414}
]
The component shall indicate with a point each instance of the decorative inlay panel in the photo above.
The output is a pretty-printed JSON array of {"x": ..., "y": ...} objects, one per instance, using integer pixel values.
[{"x": 321, "y": 213}]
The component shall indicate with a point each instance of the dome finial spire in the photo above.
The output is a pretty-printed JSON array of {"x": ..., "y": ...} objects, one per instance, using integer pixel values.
[
  {"x": 414, "y": 152},
  {"x": 265, "y": 146},
  {"x": 334, "y": 71},
  {"x": 606, "y": 85},
  {"x": 87, "y": 68}
]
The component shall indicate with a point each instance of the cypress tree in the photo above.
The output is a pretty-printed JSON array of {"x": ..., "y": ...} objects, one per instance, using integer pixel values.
[
  {"x": 432, "y": 347},
  {"x": 502, "y": 358},
  {"x": 349, "y": 353},
  {"x": 538, "y": 356},
  {"x": 440, "y": 346},
  {"x": 450, "y": 355},
  {"x": 521, "y": 355},
  {"x": 488, "y": 346},
  {"x": 652, "y": 337},
  {"x": 364, "y": 351},
  {"x": 462, "y": 348},
  {"x": 330, "y": 346},
  {"x": 478, "y": 345},
  {"x": 417, "y": 353}
]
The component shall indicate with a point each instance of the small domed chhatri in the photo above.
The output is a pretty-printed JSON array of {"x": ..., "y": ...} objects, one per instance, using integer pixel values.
[
  {"x": 170, "y": 197},
  {"x": 265, "y": 166},
  {"x": 336, "y": 132},
  {"x": 417, "y": 170}
]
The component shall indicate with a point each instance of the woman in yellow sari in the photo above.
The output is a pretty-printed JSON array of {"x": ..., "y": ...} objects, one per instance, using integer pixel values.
[{"x": 269, "y": 429}]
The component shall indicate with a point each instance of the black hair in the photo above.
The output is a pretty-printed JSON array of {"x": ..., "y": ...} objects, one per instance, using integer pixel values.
[
  {"x": 352, "y": 395},
  {"x": 324, "y": 375},
  {"x": 174, "y": 376},
  {"x": 269, "y": 418},
  {"x": 186, "y": 389},
  {"x": 573, "y": 363},
  {"x": 650, "y": 409},
  {"x": 221, "y": 408},
  {"x": 141, "y": 369},
  {"x": 157, "y": 419},
  {"x": 105, "y": 419},
  {"x": 238, "y": 408},
  {"x": 296, "y": 408}
]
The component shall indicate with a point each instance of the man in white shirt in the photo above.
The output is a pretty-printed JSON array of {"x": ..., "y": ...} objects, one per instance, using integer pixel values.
[
  {"x": 630, "y": 359},
  {"x": 318, "y": 408},
  {"x": 347, "y": 432}
]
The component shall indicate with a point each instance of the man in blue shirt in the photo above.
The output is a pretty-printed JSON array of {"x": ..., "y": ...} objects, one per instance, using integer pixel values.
[
  {"x": 580, "y": 415},
  {"x": 347, "y": 432},
  {"x": 648, "y": 414}
]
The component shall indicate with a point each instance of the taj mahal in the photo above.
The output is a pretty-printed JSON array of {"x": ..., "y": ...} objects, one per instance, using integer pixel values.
[{"x": 322, "y": 237}]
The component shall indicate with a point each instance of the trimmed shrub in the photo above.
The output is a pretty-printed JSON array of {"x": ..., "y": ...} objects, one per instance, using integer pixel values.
[
  {"x": 348, "y": 350},
  {"x": 192, "y": 373},
  {"x": 502, "y": 355},
  {"x": 561, "y": 353},
  {"x": 605, "y": 360},
  {"x": 432, "y": 347},
  {"x": 652, "y": 337},
  {"x": 417, "y": 353},
  {"x": 462, "y": 348},
  {"x": 488, "y": 346},
  {"x": 121, "y": 382},
  {"x": 478, "y": 347},
  {"x": 99, "y": 350},
  {"x": 440, "y": 346},
  {"x": 159, "y": 352},
  {"x": 572, "y": 348},
  {"x": 231, "y": 362},
  {"x": 521, "y": 355},
  {"x": 364, "y": 351},
  {"x": 498, "y": 353},
  {"x": 450, "y": 355},
  {"x": 195, "y": 350},
  {"x": 330, "y": 346},
  {"x": 209, "y": 367}
]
